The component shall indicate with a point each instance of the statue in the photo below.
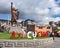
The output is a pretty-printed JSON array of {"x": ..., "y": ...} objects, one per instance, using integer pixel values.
[{"x": 15, "y": 14}]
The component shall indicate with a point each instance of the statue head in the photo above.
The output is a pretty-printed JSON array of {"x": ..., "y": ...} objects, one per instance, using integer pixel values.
[{"x": 11, "y": 3}]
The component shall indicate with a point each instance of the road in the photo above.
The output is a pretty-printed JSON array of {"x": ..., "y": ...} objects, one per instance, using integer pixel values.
[{"x": 55, "y": 44}]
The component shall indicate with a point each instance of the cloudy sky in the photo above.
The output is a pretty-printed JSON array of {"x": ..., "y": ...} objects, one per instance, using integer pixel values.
[{"x": 42, "y": 11}]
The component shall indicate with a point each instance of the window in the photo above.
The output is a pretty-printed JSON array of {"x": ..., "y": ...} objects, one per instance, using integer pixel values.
[
  {"x": 40, "y": 27},
  {"x": 48, "y": 27}
]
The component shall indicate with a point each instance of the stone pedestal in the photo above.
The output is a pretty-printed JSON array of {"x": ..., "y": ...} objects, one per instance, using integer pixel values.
[{"x": 25, "y": 43}]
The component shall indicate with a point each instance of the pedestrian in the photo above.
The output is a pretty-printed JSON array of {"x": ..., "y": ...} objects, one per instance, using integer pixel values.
[{"x": 53, "y": 35}]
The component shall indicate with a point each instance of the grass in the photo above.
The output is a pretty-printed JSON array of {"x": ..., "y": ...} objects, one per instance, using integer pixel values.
[{"x": 6, "y": 36}]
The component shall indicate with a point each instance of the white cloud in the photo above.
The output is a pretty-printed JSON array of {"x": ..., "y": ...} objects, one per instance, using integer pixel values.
[
  {"x": 42, "y": 11},
  {"x": 33, "y": 9},
  {"x": 56, "y": 10},
  {"x": 52, "y": 3},
  {"x": 47, "y": 19}
]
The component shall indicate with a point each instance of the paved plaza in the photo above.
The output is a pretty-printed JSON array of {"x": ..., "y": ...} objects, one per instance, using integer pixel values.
[{"x": 54, "y": 44}]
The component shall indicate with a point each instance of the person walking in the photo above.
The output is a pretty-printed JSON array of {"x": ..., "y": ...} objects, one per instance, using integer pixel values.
[{"x": 53, "y": 35}]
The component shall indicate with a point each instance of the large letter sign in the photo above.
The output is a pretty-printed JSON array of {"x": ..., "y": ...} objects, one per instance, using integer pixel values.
[
  {"x": 24, "y": 33},
  {"x": 34, "y": 34},
  {"x": 28, "y": 34}
]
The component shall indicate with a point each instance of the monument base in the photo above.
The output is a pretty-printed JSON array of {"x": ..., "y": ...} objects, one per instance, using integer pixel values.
[{"x": 37, "y": 43}]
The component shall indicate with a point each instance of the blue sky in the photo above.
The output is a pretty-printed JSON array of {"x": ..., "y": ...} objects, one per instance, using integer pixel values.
[
  {"x": 5, "y": 16},
  {"x": 55, "y": 16},
  {"x": 42, "y": 11}
]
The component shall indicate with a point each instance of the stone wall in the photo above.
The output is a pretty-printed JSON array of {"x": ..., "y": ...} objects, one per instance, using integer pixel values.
[{"x": 35, "y": 43}]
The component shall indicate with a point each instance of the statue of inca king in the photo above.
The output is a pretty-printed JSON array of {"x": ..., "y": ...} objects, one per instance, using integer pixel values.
[{"x": 14, "y": 13}]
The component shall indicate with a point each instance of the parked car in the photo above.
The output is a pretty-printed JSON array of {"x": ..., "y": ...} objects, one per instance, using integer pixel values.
[{"x": 58, "y": 33}]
